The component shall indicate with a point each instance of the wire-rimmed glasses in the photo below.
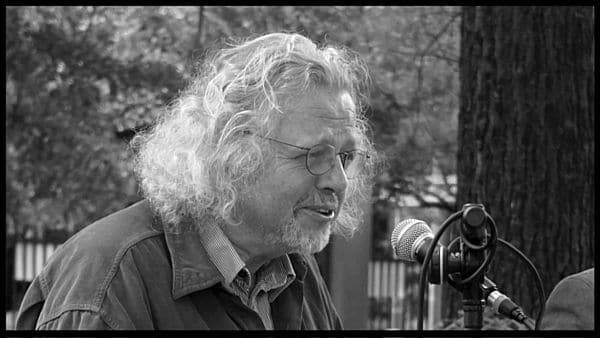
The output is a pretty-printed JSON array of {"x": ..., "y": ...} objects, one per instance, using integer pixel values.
[{"x": 320, "y": 158}]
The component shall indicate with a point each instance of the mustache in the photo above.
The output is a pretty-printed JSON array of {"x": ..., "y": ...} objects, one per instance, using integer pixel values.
[{"x": 319, "y": 199}]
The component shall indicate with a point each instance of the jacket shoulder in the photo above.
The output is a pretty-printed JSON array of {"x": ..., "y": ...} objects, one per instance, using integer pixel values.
[
  {"x": 79, "y": 273},
  {"x": 585, "y": 277},
  {"x": 570, "y": 305},
  {"x": 105, "y": 238}
]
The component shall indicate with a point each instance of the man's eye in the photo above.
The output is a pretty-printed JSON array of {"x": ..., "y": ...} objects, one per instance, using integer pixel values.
[
  {"x": 347, "y": 157},
  {"x": 344, "y": 157}
]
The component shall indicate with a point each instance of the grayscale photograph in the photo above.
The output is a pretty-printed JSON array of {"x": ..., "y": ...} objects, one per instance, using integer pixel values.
[{"x": 300, "y": 168}]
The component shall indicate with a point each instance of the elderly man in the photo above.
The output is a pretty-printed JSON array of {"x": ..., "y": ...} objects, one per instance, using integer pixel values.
[{"x": 254, "y": 166}]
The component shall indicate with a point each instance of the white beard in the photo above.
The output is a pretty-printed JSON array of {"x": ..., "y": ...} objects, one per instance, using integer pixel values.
[{"x": 297, "y": 239}]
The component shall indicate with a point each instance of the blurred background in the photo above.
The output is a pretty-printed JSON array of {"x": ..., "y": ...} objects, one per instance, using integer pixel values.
[{"x": 82, "y": 80}]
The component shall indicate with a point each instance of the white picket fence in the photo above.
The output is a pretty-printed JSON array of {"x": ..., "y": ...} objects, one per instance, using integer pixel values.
[
  {"x": 393, "y": 288},
  {"x": 29, "y": 260}
]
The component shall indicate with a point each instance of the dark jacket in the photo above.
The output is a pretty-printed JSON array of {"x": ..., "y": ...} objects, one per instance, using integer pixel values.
[
  {"x": 125, "y": 272},
  {"x": 570, "y": 305}
]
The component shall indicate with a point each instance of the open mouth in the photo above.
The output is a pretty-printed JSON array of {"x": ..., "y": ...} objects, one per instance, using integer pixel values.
[{"x": 327, "y": 213}]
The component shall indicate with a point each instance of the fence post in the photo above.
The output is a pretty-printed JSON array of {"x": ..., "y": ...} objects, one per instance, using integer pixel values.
[{"x": 10, "y": 275}]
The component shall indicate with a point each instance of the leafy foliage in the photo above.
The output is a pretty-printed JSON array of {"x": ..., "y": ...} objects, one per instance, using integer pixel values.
[
  {"x": 67, "y": 96},
  {"x": 81, "y": 80}
]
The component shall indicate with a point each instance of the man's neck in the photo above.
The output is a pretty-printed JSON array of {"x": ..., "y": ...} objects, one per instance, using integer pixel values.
[{"x": 252, "y": 251}]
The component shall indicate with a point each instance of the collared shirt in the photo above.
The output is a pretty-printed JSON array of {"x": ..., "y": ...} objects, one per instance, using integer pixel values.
[
  {"x": 125, "y": 272},
  {"x": 257, "y": 295},
  {"x": 271, "y": 280}
]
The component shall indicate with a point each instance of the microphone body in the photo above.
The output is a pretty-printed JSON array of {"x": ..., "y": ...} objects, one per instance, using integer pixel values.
[{"x": 412, "y": 238}]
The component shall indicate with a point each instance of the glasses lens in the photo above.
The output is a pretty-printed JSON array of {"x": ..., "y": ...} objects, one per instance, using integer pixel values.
[
  {"x": 354, "y": 163},
  {"x": 320, "y": 159}
]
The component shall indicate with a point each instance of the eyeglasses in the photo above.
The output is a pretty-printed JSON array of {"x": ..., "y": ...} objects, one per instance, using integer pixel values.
[{"x": 320, "y": 158}]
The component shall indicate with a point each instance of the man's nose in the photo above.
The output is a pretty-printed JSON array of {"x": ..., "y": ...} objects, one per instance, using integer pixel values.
[{"x": 335, "y": 179}]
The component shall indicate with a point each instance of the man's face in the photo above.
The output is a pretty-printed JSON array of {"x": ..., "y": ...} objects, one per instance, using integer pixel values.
[{"x": 285, "y": 207}]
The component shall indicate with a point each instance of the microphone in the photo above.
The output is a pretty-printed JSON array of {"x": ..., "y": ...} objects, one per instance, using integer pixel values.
[{"x": 412, "y": 238}]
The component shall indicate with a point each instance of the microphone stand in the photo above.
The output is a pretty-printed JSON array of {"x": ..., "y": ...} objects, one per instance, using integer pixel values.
[
  {"x": 476, "y": 251},
  {"x": 473, "y": 300},
  {"x": 473, "y": 241}
]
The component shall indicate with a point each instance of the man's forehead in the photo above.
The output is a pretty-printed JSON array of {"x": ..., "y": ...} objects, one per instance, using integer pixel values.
[
  {"x": 314, "y": 122},
  {"x": 317, "y": 117},
  {"x": 308, "y": 130},
  {"x": 337, "y": 108},
  {"x": 340, "y": 108}
]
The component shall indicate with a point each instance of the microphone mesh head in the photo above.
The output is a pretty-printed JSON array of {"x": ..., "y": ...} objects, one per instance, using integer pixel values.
[{"x": 405, "y": 236}]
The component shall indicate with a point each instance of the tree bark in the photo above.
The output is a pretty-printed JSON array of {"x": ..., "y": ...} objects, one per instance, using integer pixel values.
[
  {"x": 526, "y": 141},
  {"x": 198, "y": 45}
]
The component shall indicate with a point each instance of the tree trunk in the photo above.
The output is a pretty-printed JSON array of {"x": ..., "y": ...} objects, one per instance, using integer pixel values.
[
  {"x": 200, "y": 33},
  {"x": 198, "y": 46},
  {"x": 526, "y": 141}
]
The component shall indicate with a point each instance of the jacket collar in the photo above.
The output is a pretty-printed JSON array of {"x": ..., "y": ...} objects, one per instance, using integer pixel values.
[{"x": 192, "y": 265}]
